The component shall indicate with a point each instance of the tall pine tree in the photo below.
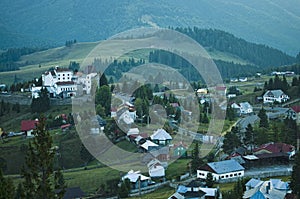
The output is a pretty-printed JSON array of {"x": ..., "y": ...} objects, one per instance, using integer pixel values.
[
  {"x": 38, "y": 172},
  {"x": 196, "y": 160},
  {"x": 264, "y": 122},
  {"x": 295, "y": 179}
]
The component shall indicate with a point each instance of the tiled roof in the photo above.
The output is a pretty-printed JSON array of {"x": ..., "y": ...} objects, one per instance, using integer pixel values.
[
  {"x": 27, "y": 125},
  {"x": 296, "y": 109},
  {"x": 58, "y": 69},
  {"x": 275, "y": 148}
]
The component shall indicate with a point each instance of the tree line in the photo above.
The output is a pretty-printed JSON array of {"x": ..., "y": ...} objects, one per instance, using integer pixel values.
[
  {"x": 6, "y": 108},
  {"x": 293, "y": 89},
  {"x": 277, "y": 83},
  {"x": 9, "y": 58},
  {"x": 116, "y": 67},
  {"x": 226, "y": 69},
  {"x": 69, "y": 43},
  {"x": 257, "y": 54}
]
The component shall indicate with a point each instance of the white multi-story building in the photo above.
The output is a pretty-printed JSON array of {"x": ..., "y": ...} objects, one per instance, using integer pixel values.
[
  {"x": 61, "y": 82},
  {"x": 86, "y": 81},
  {"x": 58, "y": 82},
  {"x": 57, "y": 75}
]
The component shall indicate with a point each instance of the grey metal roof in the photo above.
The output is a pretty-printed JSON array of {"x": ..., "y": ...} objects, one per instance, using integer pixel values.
[
  {"x": 243, "y": 123},
  {"x": 245, "y": 105},
  {"x": 274, "y": 93},
  {"x": 253, "y": 183},
  {"x": 225, "y": 166}
]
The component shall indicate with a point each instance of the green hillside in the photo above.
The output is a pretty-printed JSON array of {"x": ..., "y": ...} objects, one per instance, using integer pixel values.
[
  {"x": 40, "y": 23},
  {"x": 233, "y": 56}
]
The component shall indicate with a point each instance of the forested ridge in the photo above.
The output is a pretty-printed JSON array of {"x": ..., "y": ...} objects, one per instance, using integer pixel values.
[
  {"x": 255, "y": 57},
  {"x": 9, "y": 58},
  {"x": 258, "y": 54}
]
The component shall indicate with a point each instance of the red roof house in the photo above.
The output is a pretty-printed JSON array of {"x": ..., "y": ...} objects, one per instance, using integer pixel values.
[
  {"x": 296, "y": 109},
  {"x": 273, "y": 150},
  {"x": 27, "y": 126}
]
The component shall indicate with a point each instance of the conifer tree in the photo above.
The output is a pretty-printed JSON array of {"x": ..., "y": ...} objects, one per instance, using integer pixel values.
[
  {"x": 263, "y": 118},
  {"x": 209, "y": 181},
  {"x": 103, "y": 80},
  {"x": 196, "y": 160},
  {"x": 295, "y": 178},
  {"x": 7, "y": 189},
  {"x": 38, "y": 172}
]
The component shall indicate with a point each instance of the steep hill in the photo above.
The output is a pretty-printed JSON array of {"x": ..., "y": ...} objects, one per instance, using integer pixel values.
[{"x": 51, "y": 22}]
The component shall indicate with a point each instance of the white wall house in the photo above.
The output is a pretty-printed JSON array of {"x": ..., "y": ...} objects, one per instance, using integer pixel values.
[
  {"x": 272, "y": 96},
  {"x": 243, "y": 108},
  {"x": 155, "y": 169},
  {"x": 161, "y": 137},
  {"x": 221, "y": 170}
]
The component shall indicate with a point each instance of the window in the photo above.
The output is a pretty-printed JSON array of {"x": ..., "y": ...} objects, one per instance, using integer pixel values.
[
  {"x": 226, "y": 176},
  {"x": 235, "y": 174},
  {"x": 240, "y": 174},
  {"x": 230, "y": 175}
]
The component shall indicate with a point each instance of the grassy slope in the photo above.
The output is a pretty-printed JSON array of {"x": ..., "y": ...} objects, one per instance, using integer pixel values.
[
  {"x": 49, "y": 58},
  {"x": 63, "y": 55}
]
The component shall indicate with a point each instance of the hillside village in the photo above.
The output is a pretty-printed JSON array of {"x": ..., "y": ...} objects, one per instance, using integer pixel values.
[
  {"x": 240, "y": 153},
  {"x": 150, "y": 99}
]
